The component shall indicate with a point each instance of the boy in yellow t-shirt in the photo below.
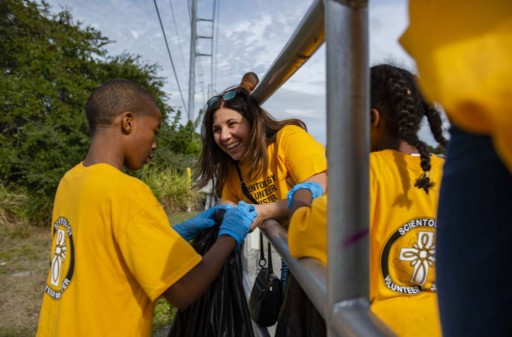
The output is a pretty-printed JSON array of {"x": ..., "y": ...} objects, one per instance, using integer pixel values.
[
  {"x": 404, "y": 187},
  {"x": 113, "y": 251}
]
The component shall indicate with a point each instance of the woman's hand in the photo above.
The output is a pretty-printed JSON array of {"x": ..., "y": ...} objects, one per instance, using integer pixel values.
[
  {"x": 228, "y": 202},
  {"x": 275, "y": 210}
]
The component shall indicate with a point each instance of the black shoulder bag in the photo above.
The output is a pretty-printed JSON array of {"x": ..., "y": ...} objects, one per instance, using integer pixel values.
[
  {"x": 265, "y": 300},
  {"x": 266, "y": 295}
]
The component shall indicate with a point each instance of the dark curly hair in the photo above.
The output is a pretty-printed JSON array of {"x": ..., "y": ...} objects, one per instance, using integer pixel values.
[{"x": 395, "y": 94}]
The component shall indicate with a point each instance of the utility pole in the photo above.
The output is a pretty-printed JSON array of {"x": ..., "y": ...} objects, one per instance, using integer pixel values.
[
  {"x": 192, "y": 66},
  {"x": 193, "y": 53}
]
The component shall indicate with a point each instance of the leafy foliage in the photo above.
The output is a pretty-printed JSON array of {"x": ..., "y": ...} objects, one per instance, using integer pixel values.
[
  {"x": 49, "y": 64},
  {"x": 178, "y": 145}
]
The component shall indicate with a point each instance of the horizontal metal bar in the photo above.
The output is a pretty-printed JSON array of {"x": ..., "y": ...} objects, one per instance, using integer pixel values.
[
  {"x": 350, "y": 318},
  {"x": 200, "y": 54},
  {"x": 306, "y": 39},
  {"x": 310, "y": 273},
  {"x": 204, "y": 37},
  {"x": 353, "y": 318}
]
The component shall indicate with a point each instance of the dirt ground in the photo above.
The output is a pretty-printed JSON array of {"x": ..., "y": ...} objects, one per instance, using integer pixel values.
[{"x": 24, "y": 261}]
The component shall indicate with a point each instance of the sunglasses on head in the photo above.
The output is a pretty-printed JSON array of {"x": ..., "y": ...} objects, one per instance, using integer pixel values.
[{"x": 228, "y": 95}]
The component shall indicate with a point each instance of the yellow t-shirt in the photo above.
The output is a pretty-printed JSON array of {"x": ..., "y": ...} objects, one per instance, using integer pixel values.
[
  {"x": 463, "y": 52},
  {"x": 113, "y": 254},
  {"x": 294, "y": 157},
  {"x": 402, "y": 242}
]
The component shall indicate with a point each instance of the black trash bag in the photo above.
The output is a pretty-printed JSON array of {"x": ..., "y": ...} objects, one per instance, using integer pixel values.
[
  {"x": 298, "y": 316},
  {"x": 222, "y": 310}
]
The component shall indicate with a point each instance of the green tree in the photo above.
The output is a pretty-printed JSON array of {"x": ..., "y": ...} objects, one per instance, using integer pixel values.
[
  {"x": 49, "y": 65},
  {"x": 178, "y": 145}
]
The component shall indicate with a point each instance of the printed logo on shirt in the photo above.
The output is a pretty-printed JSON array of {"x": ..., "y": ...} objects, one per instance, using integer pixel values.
[
  {"x": 62, "y": 260},
  {"x": 408, "y": 258},
  {"x": 264, "y": 191}
]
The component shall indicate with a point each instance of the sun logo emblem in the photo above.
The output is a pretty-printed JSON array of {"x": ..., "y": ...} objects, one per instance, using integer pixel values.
[
  {"x": 62, "y": 259},
  {"x": 421, "y": 256},
  {"x": 59, "y": 255}
]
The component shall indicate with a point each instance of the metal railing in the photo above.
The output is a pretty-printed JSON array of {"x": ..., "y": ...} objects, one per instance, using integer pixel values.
[{"x": 340, "y": 291}]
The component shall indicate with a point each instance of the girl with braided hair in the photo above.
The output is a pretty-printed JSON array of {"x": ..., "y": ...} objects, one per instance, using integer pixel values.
[
  {"x": 404, "y": 187},
  {"x": 397, "y": 111}
]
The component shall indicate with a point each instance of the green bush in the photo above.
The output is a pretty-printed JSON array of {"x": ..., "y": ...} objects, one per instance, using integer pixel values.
[
  {"x": 12, "y": 206},
  {"x": 50, "y": 63},
  {"x": 172, "y": 188}
]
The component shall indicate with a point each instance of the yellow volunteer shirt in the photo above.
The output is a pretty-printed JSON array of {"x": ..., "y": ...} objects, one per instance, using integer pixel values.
[
  {"x": 113, "y": 254},
  {"x": 402, "y": 242},
  {"x": 294, "y": 157},
  {"x": 463, "y": 52}
]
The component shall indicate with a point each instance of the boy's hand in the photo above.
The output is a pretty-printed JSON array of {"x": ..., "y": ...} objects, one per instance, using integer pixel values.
[
  {"x": 189, "y": 229},
  {"x": 237, "y": 222}
]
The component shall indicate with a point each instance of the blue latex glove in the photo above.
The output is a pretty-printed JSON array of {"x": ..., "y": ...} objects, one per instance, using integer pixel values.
[
  {"x": 189, "y": 229},
  {"x": 315, "y": 189},
  {"x": 237, "y": 222}
]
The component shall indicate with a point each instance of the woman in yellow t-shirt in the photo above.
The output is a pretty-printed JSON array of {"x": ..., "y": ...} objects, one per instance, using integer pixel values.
[
  {"x": 243, "y": 143},
  {"x": 404, "y": 185},
  {"x": 253, "y": 157}
]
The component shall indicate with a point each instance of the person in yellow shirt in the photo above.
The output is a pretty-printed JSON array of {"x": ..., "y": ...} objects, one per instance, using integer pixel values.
[
  {"x": 243, "y": 143},
  {"x": 404, "y": 185},
  {"x": 251, "y": 156},
  {"x": 463, "y": 53},
  {"x": 113, "y": 251}
]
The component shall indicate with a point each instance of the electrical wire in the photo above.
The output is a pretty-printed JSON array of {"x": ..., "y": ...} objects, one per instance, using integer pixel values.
[
  {"x": 170, "y": 56},
  {"x": 189, "y": 6},
  {"x": 214, "y": 52},
  {"x": 177, "y": 35}
]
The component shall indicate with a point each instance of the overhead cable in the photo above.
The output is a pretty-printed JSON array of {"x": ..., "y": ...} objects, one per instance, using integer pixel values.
[{"x": 170, "y": 56}]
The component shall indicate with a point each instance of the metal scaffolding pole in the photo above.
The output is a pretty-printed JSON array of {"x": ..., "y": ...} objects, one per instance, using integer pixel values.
[{"x": 192, "y": 66}]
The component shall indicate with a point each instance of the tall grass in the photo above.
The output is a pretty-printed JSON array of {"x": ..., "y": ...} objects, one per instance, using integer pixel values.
[
  {"x": 172, "y": 188},
  {"x": 13, "y": 206}
]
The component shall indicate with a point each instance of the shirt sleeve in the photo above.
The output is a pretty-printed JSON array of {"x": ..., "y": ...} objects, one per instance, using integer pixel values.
[
  {"x": 303, "y": 155},
  {"x": 464, "y": 62},
  {"x": 156, "y": 255},
  {"x": 307, "y": 234}
]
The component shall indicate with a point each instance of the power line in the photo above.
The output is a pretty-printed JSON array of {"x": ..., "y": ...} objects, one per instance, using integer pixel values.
[
  {"x": 189, "y": 5},
  {"x": 170, "y": 56},
  {"x": 214, "y": 50},
  {"x": 177, "y": 34}
]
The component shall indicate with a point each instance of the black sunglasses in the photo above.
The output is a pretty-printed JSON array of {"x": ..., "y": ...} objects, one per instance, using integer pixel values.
[{"x": 228, "y": 95}]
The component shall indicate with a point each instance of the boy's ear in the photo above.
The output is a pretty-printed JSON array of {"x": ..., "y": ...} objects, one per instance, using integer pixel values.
[
  {"x": 127, "y": 122},
  {"x": 374, "y": 118}
]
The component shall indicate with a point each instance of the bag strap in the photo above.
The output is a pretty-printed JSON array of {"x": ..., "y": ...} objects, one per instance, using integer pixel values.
[
  {"x": 244, "y": 187},
  {"x": 262, "y": 262},
  {"x": 269, "y": 260}
]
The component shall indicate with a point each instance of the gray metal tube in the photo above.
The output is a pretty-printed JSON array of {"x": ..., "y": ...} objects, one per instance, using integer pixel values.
[
  {"x": 347, "y": 52},
  {"x": 310, "y": 273},
  {"x": 348, "y": 124},
  {"x": 348, "y": 147},
  {"x": 306, "y": 39}
]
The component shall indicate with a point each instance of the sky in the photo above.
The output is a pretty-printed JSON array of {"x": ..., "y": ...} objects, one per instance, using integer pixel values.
[{"x": 249, "y": 35}]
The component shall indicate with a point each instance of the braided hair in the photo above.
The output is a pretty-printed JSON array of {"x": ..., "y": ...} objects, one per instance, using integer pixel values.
[{"x": 395, "y": 95}]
